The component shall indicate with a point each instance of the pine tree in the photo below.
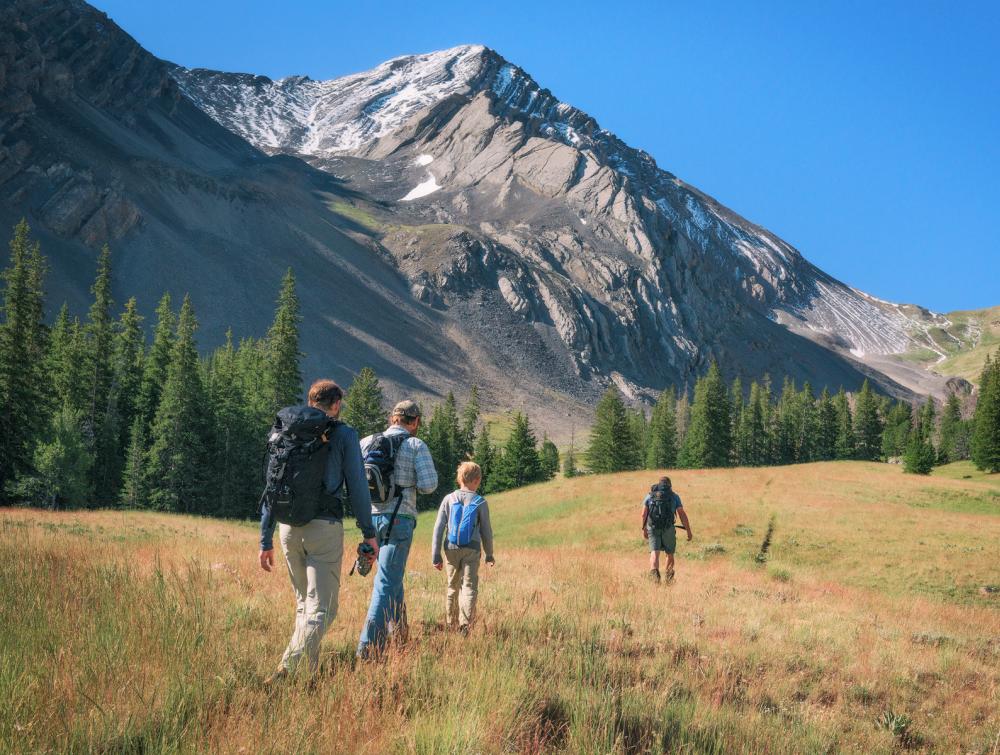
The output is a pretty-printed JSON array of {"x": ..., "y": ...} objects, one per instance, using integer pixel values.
[
  {"x": 441, "y": 434},
  {"x": 826, "y": 427},
  {"x": 127, "y": 368},
  {"x": 708, "y": 442},
  {"x": 867, "y": 425},
  {"x": 985, "y": 446},
  {"x": 470, "y": 420},
  {"x": 519, "y": 464},
  {"x": 639, "y": 428},
  {"x": 65, "y": 361},
  {"x": 134, "y": 492},
  {"x": 683, "y": 415},
  {"x": 157, "y": 363},
  {"x": 662, "y": 451},
  {"x": 548, "y": 459},
  {"x": 751, "y": 442},
  {"x": 898, "y": 426},
  {"x": 569, "y": 462},
  {"x": 951, "y": 430},
  {"x": 100, "y": 417},
  {"x": 612, "y": 443},
  {"x": 919, "y": 455},
  {"x": 283, "y": 353},
  {"x": 23, "y": 344},
  {"x": 928, "y": 418},
  {"x": 178, "y": 477},
  {"x": 845, "y": 426},
  {"x": 62, "y": 461},
  {"x": 364, "y": 409},
  {"x": 485, "y": 456}
]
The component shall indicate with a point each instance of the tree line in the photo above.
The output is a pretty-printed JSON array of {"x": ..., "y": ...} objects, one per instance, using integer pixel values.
[{"x": 728, "y": 426}]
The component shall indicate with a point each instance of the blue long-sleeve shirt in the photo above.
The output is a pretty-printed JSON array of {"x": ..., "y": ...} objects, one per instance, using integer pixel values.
[{"x": 344, "y": 468}]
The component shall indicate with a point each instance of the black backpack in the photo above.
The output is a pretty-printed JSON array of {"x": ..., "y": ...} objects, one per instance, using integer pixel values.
[
  {"x": 661, "y": 508},
  {"x": 379, "y": 455},
  {"x": 296, "y": 461}
]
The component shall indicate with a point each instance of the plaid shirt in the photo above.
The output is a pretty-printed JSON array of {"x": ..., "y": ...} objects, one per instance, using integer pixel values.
[{"x": 413, "y": 471}]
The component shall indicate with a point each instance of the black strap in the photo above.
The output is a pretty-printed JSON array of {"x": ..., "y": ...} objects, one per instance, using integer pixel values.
[{"x": 392, "y": 519}]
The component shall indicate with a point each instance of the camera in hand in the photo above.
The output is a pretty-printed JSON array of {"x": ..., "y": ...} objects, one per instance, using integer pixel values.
[{"x": 365, "y": 559}]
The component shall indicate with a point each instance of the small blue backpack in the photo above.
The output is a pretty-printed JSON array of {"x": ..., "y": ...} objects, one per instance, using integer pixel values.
[{"x": 462, "y": 521}]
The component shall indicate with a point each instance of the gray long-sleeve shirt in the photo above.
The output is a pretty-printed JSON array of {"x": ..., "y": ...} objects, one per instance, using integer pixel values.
[
  {"x": 482, "y": 530},
  {"x": 344, "y": 468}
]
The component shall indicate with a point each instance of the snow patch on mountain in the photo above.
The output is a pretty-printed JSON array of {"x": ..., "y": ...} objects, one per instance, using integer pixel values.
[{"x": 422, "y": 189}]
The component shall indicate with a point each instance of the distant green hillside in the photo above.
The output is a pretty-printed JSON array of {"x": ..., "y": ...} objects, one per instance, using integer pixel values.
[{"x": 971, "y": 336}]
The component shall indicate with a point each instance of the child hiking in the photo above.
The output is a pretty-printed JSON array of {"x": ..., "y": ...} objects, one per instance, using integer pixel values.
[
  {"x": 466, "y": 516},
  {"x": 658, "y": 511}
]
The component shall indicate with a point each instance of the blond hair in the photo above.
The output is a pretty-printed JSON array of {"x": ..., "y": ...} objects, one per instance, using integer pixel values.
[{"x": 468, "y": 472}]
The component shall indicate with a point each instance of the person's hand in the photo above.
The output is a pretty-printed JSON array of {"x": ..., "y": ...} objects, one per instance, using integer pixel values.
[
  {"x": 374, "y": 544},
  {"x": 644, "y": 533},
  {"x": 267, "y": 559},
  {"x": 492, "y": 562},
  {"x": 690, "y": 535},
  {"x": 438, "y": 565}
]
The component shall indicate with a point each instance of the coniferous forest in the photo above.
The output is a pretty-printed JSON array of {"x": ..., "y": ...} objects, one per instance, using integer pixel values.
[{"x": 94, "y": 413}]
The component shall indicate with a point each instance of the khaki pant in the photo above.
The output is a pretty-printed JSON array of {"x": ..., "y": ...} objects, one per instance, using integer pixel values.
[
  {"x": 314, "y": 553},
  {"x": 462, "y": 568}
]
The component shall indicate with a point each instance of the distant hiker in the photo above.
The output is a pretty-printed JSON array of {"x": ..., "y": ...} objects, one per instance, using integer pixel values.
[
  {"x": 466, "y": 516},
  {"x": 314, "y": 461},
  {"x": 658, "y": 511},
  {"x": 398, "y": 465}
]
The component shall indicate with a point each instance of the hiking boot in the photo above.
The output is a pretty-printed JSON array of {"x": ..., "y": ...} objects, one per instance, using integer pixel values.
[
  {"x": 464, "y": 630},
  {"x": 669, "y": 576},
  {"x": 654, "y": 575}
]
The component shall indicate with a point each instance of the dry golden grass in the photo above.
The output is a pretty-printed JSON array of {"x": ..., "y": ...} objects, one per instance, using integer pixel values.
[{"x": 873, "y": 626}]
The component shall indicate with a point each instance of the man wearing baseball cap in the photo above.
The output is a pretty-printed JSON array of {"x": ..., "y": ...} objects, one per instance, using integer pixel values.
[{"x": 395, "y": 520}]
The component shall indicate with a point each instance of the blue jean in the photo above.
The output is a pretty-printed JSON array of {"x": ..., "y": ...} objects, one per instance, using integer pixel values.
[{"x": 387, "y": 605}]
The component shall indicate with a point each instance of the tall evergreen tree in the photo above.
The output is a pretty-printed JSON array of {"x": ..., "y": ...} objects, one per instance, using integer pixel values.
[
  {"x": 100, "y": 420},
  {"x": 283, "y": 352},
  {"x": 127, "y": 367},
  {"x": 485, "y": 456},
  {"x": 639, "y": 427},
  {"x": 919, "y": 455},
  {"x": 708, "y": 440},
  {"x": 845, "y": 426},
  {"x": 683, "y": 415},
  {"x": 548, "y": 459},
  {"x": 752, "y": 440},
  {"x": 826, "y": 427},
  {"x": 442, "y": 437},
  {"x": 134, "y": 492},
  {"x": 364, "y": 408},
  {"x": 898, "y": 426},
  {"x": 62, "y": 461},
  {"x": 985, "y": 446},
  {"x": 949, "y": 449},
  {"x": 662, "y": 450},
  {"x": 65, "y": 361},
  {"x": 178, "y": 474},
  {"x": 519, "y": 464},
  {"x": 23, "y": 343},
  {"x": 867, "y": 425},
  {"x": 569, "y": 468},
  {"x": 157, "y": 363},
  {"x": 612, "y": 443},
  {"x": 469, "y": 422}
]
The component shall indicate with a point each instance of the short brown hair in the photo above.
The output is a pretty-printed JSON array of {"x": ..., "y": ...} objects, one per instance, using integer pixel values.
[
  {"x": 468, "y": 471},
  {"x": 325, "y": 393}
]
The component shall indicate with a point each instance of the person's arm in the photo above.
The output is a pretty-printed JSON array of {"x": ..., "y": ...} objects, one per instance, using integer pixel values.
[
  {"x": 266, "y": 555},
  {"x": 355, "y": 480},
  {"x": 438, "y": 539},
  {"x": 645, "y": 516},
  {"x": 684, "y": 520},
  {"x": 423, "y": 465},
  {"x": 486, "y": 531}
]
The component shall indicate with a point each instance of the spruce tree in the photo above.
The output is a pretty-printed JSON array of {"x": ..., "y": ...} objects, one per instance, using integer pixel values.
[
  {"x": 867, "y": 425},
  {"x": 364, "y": 408},
  {"x": 441, "y": 434},
  {"x": 519, "y": 464},
  {"x": 23, "y": 343},
  {"x": 928, "y": 419},
  {"x": 985, "y": 446},
  {"x": 178, "y": 475},
  {"x": 548, "y": 459},
  {"x": 100, "y": 419},
  {"x": 751, "y": 441},
  {"x": 662, "y": 451},
  {"x": 612, "y": 442},
  {"x": 951, "y": 430},
  {"x": 898, "y": 427},
  {"x": 134, "y": 492},
  {"x": 639, "y": 427},
  {"x": 469, "y": 422},
  {"x": 484, "y": 455},
  {"x": 127, "y": 367},
  {"x": 569, "y": 462},
  {"x": 826, "y": 427},
  {"x": 157, "y": 363},
  {"x": 919, "y": 455},
  {"x": 62, "y": 461},
  {"x": 709, "y": 441},
  {"x": 845, "y": 426},
  {"x": 65, "y": 361},
  {"x": 283, "y": 353}
]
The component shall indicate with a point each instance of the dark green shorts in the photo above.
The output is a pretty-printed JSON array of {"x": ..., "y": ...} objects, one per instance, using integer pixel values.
[{"x": 664, "y": 539}]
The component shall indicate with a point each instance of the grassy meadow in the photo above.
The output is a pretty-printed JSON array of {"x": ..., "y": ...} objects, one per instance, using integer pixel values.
[{"x": 873, "y": 625}]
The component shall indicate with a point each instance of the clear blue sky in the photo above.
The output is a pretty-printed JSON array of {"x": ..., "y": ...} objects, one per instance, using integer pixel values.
[{"x": 865, "y": 134}]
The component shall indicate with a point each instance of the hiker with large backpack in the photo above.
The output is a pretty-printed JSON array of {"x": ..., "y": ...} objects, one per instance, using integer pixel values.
[
  {"x": 313, "y": 464},
  {"x": 398, "y": 465},
  {"x": 659, "y": 509},
  {"x": 466, "y": 516}
]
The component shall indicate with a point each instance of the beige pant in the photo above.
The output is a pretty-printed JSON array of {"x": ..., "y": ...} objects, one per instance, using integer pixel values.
[
  {"x": 462, "y": 568},
  {"x": 314, "y": 553}
]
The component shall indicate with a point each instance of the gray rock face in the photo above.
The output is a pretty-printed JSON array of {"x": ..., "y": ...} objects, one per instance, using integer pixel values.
[{"x": 448, "y": 220}]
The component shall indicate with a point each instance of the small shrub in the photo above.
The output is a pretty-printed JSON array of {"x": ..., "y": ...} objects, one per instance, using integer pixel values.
[
  {"x": 765, "y": 544},
  {"x": 714, "y": 549},
  {"x": 742, "y": 530},
  {"x": 782, "y": 575}
]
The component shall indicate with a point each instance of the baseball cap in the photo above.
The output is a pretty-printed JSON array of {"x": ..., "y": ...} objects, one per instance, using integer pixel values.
[{"x": 407, "y": 408}]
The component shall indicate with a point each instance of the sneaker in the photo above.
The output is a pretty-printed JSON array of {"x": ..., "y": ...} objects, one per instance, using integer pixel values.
[
  {"x": 464, "y": 630},
  {"x": 654, "y": 575},
  {"x": 669, "y": 576},
  {"x": 277, "y": 677}
]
